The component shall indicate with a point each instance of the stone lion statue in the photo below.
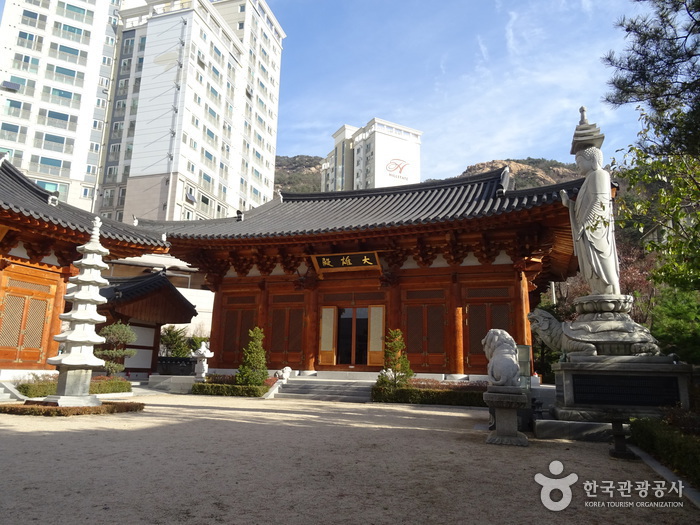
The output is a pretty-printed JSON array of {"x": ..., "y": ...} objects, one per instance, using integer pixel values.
[{"x": 502, "y": 353}]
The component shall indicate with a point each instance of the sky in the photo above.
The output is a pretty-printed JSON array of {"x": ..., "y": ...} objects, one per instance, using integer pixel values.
[{"x": 482, "y": 79}]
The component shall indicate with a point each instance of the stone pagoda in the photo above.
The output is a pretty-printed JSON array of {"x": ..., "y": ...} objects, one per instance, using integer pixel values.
[{"x": 77, "y": 361}]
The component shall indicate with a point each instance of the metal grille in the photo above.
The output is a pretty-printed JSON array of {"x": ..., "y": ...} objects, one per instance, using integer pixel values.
[
  {"x": 11, "y": 321},
  {"x": 36, "y": 321},
  {"x": 16, "y": 283}
]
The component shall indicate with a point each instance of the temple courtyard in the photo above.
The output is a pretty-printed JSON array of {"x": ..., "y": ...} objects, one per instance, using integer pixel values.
[{"x": 201, "y": 460}]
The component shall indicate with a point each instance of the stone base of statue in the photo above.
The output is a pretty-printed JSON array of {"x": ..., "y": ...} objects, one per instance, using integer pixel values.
[
  {"x": 604, "y": 325},
  {"x": 73, "y": 387},
  {"x": 72, "y": 401},
  {"x": 506, "y": 400},
  {"x": 596, "y": 388}
]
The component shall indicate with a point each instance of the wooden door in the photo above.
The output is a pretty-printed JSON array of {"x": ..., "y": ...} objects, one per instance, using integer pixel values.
[{"x": 479, "y": 319}]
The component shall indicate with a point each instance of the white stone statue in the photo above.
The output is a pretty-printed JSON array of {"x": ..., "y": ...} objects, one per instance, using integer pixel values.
[
  {"x": 202, "y": 367},
  {"x": 592, "y": 221},
  {"x": 502, "y": 353}
]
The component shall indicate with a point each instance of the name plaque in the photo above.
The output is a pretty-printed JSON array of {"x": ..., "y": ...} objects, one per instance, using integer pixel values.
[
  {"x": 603, "y": 389},
  {"x": 343, "y": 262}
]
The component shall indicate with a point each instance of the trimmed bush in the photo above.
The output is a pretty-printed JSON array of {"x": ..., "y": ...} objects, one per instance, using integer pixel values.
[
  {"x": 53, "y": 411},
  {"x": 214, "y": 389},
  {"x": 668, "y": 445},
  {"x": 98, "y": 385},
  {"x": 253, "y": 369},
  {"x": 470, "y": 398}
]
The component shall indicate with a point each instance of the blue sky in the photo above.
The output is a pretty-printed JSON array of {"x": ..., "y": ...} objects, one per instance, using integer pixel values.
[{"x": 482, "y": 79}]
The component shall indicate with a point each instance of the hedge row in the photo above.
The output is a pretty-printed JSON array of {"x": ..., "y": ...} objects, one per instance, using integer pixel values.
[
  {"x": 214, "y": 389},
  {"x": 48, "y": 388},
  {"x": 668, "y": 445},
  {"x": 53, "y": 411},
  {"x": 428, "y": 396}
]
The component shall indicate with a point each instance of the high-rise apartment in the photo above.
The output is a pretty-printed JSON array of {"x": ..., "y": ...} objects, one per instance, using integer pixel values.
[
  {"x": 194, "y": 111},
  {"x": 169, "y": 105},
  {"x": 377, "y": 155},
  {"x": 55, "y": 80}
]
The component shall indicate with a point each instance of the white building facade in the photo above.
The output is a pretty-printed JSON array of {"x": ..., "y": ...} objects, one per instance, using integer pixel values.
[
  {"x": 162, "y": 109},
  {"x": 55, "y": 80},
  {"x": 194, "y": 114},
  {"x": 378, "y": 155}
]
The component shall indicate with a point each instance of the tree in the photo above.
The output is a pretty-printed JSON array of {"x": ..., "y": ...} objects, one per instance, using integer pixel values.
[
  {"x": 676, "y": 323},
  {"x": 663, "y": 201},
  {"x": 253, "y": 368},
  {"x": 660, "y": 69},
  {"x": 113, "y": 350},
  {"x": 397, "y": 369},
  {"x": 175, "y": 341}
]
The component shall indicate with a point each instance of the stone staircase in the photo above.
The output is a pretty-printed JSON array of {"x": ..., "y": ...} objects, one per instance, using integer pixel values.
[
  {"x": 9, "y": 394},
  {"x": 310, "y": 388}
]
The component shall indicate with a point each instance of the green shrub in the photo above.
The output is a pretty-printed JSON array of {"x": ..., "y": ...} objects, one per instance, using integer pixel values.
[
  {"x": 669, "y": 445},
  {"x": 33, "y": 409},
  {"x": 397, "y": 369},
  {"x": 113, "y": 350},
  {"x": 175, "y": 342},
  {"x": 38, "y": 387},
  {"x": 384, "y": 394},
  {"x": 253, "y": 368},
  {"x": 214, "y": 389}
]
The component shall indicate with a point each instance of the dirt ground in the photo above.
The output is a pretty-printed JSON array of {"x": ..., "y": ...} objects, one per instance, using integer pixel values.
[{"x": 201, "y": 460}]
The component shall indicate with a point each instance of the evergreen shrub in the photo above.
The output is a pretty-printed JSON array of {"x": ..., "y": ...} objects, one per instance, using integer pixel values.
[
  {"x": 38, "y": 386},
  {"x": 669, "y": 445},
  {"x": 471, "y": 398},
  {"x": 54, "y": 411},
  {"x": 214, "y": 389}
]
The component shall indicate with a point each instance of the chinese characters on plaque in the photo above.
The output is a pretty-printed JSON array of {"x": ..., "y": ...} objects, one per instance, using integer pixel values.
[{"x": 339, "y": 262}]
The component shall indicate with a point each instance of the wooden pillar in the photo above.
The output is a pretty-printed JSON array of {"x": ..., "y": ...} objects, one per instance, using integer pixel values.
[
  {"x": 216, "y": 336},
  {"x": 523, "y": 335},
  {"x": 394, "y": 311},
  {"x": 311, "y": 332},
  {"x": 457, "y": 354},
  {"x": 264, "y": 308}
]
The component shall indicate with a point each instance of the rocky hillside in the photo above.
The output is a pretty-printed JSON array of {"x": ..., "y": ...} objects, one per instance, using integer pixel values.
[
  {"x": 302, "y": 174},
  {"x": 529, "y": 173}
]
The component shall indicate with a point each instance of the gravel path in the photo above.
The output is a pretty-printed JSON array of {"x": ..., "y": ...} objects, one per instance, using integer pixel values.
[{"x": 202, "y": 460}]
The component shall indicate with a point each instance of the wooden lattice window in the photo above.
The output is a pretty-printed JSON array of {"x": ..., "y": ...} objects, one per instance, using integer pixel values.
[{"x": 25, "y": 317}]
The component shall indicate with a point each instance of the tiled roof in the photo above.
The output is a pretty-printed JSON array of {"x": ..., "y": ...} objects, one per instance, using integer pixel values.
[
  {"x": 22, "y": 197},
  {"x": 483, "y": 195}
]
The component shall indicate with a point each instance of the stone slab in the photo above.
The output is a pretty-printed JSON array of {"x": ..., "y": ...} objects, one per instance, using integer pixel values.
[{"x": 574, "y": 430}]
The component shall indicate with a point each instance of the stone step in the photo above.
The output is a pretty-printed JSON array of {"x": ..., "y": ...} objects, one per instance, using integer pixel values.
[
  {"x": 320, "y": 397},
  {"x": 326, "y": 390}
]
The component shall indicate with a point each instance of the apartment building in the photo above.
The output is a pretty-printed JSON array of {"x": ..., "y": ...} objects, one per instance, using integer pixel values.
[
  {"x": 193, "y": 123},
  {"x": 55, "y": 80},
  {"x": 162, "y": 109},
  {"x": 378, "y": 155}
]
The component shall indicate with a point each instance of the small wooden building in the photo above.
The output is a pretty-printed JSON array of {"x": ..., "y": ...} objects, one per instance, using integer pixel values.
[
  {"x": 326, "y": 275},
  {"x": 146, "y": 303},
  {"x": 38, "y": 240}
]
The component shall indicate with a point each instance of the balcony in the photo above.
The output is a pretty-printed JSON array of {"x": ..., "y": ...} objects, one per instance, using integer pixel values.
[
  {"x": 85, "y": 17},
  {"x": 34, "y": 45},
  {"x": 56, "y": 123},
  {"x": 49, "y": 170},
  {"x": 74, "y": 37},
  {"x": 17, "y": 112},
  {"x": 13, "y": 136},
  {"x": 33, "y": 22},
  {"x": 68, "y": 57},
  {"x": 25, "y": 66},
  {"x": 65, "y": 79}
]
